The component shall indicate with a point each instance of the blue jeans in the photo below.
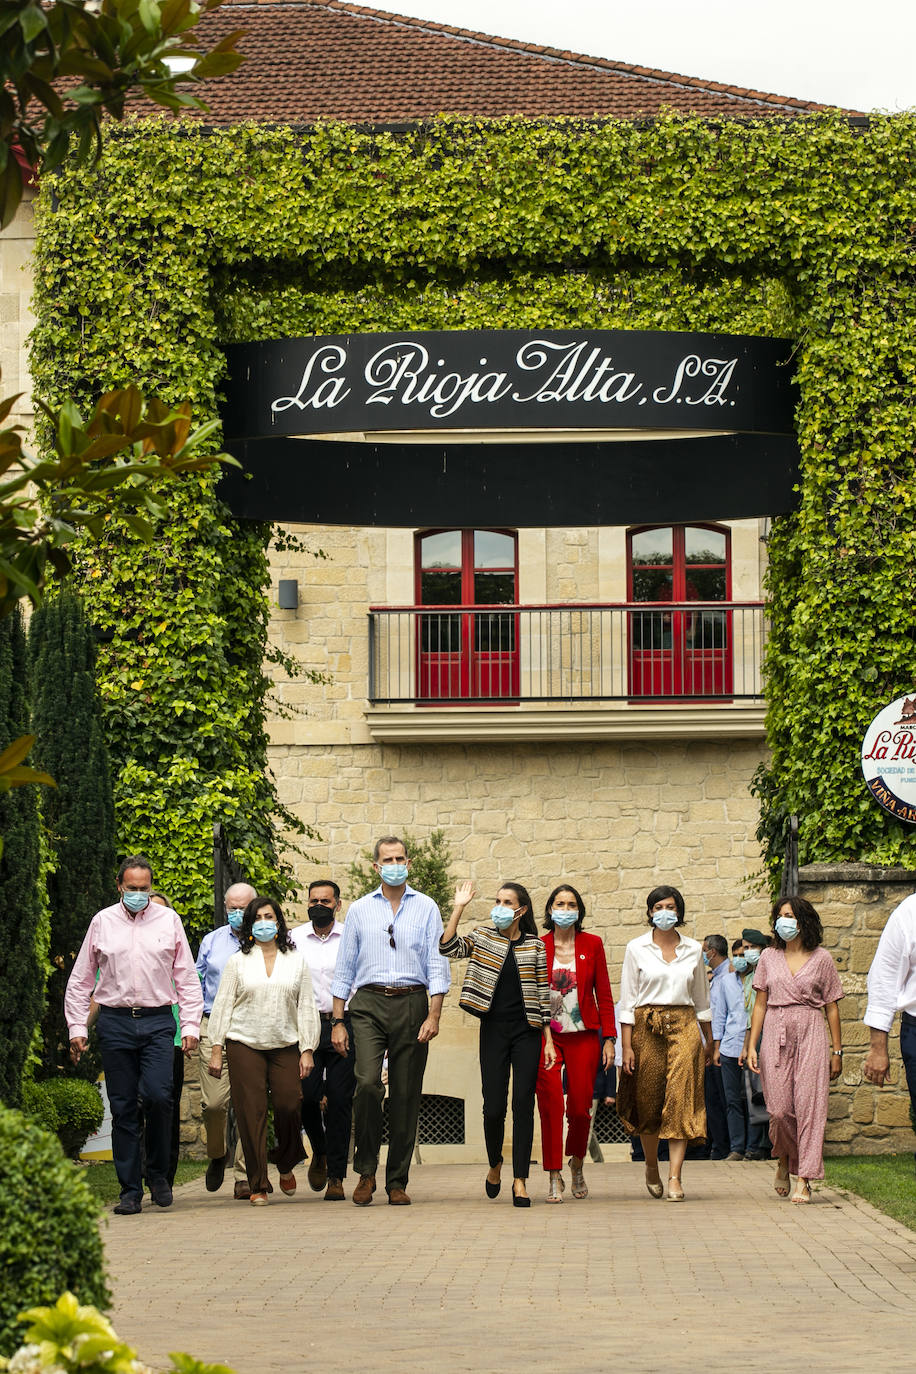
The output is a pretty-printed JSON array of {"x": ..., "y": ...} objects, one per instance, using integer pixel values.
[
  {"x": 137, "y": 1056},
  {"x": 735, "y": 1105},
  {"x": 908, "y": 1053}
]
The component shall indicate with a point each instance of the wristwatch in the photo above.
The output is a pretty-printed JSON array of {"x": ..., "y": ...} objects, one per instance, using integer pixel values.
[{"x": 337, "y": 1020}]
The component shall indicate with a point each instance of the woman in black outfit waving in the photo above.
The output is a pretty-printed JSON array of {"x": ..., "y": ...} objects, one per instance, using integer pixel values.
[{"x": 506, "y": 987}]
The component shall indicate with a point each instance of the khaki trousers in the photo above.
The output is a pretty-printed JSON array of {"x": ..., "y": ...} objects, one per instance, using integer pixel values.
[{"x": 214, "y": 1103}]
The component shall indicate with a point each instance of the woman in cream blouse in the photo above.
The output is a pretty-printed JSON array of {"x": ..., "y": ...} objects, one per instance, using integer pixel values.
[
  {"x": 265, "y": 1016},
  {"x": 664, "y": 1018}
]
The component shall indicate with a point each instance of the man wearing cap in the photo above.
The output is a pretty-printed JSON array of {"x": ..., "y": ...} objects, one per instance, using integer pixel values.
[
  {"x": 892, "y": 988},
  {"x": 216, "y": 949},
  {"x": 758, "y": 1137},
  {"x": 333, "y": 1077},
  {"x": 140, "y": 955},
  {"x": 390, "y": 955}
]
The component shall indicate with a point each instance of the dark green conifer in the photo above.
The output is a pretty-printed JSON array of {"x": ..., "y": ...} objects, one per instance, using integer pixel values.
[
  {"x": 22, "y": 981},
  {"x": 79, "y": 812}
]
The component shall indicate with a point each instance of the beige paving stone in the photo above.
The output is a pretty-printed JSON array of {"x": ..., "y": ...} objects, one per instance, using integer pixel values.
[{"x": 460, "y": 1283}]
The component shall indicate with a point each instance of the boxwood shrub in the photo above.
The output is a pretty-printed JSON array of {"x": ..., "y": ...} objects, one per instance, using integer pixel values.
[
  {"x": 79, "y": 1108},
  {"x": 49, "y": 1234}
]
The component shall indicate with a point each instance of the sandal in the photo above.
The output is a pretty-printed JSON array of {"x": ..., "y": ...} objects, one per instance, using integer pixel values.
[
  {"x": 655, "y": 1189},
  {"x": 802, "y": 1191},
  {"x": 782, "y": 1181},
  {"x": 675, "y": 1191},
  {"x": 579, "y": 1186},
  {"x": 555, "y": 1187}
]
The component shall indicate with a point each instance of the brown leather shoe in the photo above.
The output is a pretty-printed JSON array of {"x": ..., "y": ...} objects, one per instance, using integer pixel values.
[
  {"x": 318, "y": 1173},
  {"x": 335, "y": 1192},
  {"x": 398, "y": 1198},
  {"x": 362, "y": 1193},
  {"x": 241, "y": 1192}
]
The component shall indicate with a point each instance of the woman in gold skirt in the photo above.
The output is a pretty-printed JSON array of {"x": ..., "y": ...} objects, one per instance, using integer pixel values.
[{"x": 666, "y": 1038}]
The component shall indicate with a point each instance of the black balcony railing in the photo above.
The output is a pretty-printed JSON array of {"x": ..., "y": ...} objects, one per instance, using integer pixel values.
[{"x": 642, "y": 651}]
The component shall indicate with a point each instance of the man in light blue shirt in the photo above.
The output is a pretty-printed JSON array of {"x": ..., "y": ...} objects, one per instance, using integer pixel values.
[
  {"x": 729, "y": 1022},
  {"x": 389, "y": 956},
  {"x": 215, "y": 951}
]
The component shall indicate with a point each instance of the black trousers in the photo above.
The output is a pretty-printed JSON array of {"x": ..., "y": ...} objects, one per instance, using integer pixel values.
[
  {"x": 505, "y": 1045},
  {"x": 137, "y": 1056},
  {"x": 333, "y": 1077}
]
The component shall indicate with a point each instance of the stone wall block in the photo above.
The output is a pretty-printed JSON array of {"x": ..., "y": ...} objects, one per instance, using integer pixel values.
[
  {"x": 893, "y": 1111},
  {"x": 863, "y": 1105}
]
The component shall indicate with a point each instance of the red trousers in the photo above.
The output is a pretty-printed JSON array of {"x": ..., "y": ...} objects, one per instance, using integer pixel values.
[{"x": 577, "y": 1052}]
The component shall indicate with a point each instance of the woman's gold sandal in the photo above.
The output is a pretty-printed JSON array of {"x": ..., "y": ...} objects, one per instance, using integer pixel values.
[
  {"x": 655, "y": 1189},
  {"x": 675, "y": 1191},
  {"x": 782, "y": 1183}
]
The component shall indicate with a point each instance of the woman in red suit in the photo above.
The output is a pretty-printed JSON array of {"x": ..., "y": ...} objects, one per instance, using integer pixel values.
[{"x": 582, "y": 1012}]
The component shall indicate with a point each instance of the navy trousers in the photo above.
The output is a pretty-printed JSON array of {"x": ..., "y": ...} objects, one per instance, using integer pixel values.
[
  {"x": 735, "y": 1105},
  {"x": 716, "y": 1118},
  {"x": 908, "y": 1054},
  {"x": 138, "y": 1062}
]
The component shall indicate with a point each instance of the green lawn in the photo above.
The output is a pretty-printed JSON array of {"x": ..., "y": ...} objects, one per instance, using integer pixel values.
[
  {"x": 888, "y": 1182},
  {"x": 103, "y": 1181}
]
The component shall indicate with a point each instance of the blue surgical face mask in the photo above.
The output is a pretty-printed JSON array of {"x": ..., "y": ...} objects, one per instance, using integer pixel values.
[
  {"x": 705, "y": 958},
  {"x": 393, "y": 874},
  {"x": 787, "y": 928},
  {"x": 135, "y": 901},
  {"x": 503, "y": 916},
  {"x": 235, "y": 917},
  {"x": 752, "y": 955},
  {"x": 664, "y": 919},
  {"x": 739, "y": 963},
  {"x": 564, "y": 918},
  {"x": 264, "y": 931}
]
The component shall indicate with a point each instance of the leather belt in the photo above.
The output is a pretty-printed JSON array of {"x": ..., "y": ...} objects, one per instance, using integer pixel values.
[
  {"x": 137, "y": 1011},
  {"x": 401, "y": 991}
]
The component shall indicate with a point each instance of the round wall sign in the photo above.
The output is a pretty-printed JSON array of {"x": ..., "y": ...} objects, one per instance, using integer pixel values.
[{"x": 889, "y": 759}]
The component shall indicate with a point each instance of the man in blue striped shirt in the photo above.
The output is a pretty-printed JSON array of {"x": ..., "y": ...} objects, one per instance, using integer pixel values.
[{"x": 389, "y": 957}]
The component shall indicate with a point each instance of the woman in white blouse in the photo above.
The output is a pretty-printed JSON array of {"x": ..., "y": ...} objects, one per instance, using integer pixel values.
[
  {"x": 265, "y": 1015},
  {"x": 664, "y": 1018}
]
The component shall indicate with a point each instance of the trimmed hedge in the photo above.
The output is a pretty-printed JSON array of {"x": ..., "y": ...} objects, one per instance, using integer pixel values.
[
  {"x": 49, "y": 1234},
  {"x": 80, "y": 1111}
]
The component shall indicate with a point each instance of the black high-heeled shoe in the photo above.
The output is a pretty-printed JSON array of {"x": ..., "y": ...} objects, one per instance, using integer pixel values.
[
  {"x": 492, "y": 1188},
  {"x": 520, "y": 1201}
]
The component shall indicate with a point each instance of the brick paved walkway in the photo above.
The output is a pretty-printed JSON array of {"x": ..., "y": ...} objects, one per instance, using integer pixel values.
[{"x": 732, "y": 1279}]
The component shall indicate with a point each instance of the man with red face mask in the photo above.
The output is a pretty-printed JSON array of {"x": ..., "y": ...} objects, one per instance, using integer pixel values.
[{"x": 333, "y": 1076}]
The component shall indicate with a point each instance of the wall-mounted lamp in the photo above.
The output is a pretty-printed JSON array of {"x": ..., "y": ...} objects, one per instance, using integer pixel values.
[{"x": 288, "y": 594}]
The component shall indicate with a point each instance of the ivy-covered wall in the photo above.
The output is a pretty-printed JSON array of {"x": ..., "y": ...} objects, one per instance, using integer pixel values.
[{"x": 184, "y": 240}]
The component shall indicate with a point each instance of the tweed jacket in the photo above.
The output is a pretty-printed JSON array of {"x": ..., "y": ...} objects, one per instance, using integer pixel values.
[{"x": 486, "y": 950}]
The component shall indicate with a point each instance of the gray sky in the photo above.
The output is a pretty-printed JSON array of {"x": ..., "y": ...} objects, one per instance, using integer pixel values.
[{"x": 843, "y": 52}]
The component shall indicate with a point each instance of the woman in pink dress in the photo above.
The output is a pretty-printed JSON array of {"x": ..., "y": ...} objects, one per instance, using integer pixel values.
[{"x": 796, "y": 983}]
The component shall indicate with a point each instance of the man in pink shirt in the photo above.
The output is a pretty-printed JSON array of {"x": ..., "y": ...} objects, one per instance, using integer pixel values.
[{"x": 136, "y": 961}]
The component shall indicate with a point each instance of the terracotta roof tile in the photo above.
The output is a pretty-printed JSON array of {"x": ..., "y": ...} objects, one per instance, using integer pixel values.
[{"x": 323, "y": 59}]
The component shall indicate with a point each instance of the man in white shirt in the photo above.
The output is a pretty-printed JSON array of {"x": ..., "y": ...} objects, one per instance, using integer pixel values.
[
  {"x": 892, "y": 988},
  {"x": 333, "y": 1076}
]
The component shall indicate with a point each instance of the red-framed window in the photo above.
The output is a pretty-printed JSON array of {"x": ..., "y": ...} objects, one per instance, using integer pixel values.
[
  {"x": 674, "y": 650},
  {"x": 471, "y": 652}
]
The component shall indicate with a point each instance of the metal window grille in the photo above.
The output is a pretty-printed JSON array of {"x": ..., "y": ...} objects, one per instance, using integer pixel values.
[
  {"x": 441, "y": 1120},
  {"x": 608, "y": 1130}
]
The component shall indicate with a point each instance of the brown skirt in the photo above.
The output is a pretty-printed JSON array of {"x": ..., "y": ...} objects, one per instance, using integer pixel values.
[{"x": 665, "y": 1094}]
